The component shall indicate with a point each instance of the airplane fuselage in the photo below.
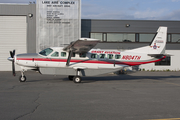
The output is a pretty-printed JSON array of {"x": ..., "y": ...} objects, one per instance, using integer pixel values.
[{"x": 95, "y": 62}]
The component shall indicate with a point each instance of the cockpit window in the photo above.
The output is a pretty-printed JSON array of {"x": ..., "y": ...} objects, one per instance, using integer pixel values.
[
  {"x": 46, "y": 52},
  {"x": 55, "y": 54},
  {"x": 63, "y": 54}
]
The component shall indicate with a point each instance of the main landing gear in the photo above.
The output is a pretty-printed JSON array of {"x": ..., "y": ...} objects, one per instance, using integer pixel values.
[
  {"x": 77, "y": 78},
  {"x": 22, "y": 78}
]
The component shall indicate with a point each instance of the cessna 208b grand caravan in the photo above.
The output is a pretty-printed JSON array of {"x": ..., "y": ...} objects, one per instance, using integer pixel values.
[{"x": 79, "y": 59}]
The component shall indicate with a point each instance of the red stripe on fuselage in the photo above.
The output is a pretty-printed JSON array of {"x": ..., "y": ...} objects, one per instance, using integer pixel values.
[
  {"x": 139, "y": 63},
  {"x": 130, "y": 63}
]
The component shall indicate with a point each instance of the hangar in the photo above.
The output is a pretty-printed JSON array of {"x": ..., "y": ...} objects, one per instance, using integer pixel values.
[{"x": 18, "y": 31}]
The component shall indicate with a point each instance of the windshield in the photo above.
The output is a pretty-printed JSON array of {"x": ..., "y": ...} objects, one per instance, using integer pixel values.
[{"x": 46, "y": 52}]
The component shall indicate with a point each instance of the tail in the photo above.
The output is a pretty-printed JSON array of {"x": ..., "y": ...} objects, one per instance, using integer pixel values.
[{"x": 158, "y": 44}]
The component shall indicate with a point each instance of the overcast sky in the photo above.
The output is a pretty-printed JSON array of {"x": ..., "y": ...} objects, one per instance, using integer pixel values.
[{"x": 126, "y": 9}]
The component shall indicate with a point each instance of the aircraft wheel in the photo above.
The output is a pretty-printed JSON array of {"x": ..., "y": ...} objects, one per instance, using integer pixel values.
[
  {"x": 71, "y": 78},
  {"x": 22, "y": 78},
  {"x": 77, "y": 79}
]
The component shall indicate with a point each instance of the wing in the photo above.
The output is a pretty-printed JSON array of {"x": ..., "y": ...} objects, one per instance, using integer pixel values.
[{"x": 82, "y": 45}]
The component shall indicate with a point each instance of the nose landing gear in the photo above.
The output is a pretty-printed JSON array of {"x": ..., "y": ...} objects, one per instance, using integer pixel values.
[{"x": 22, "y": 78}]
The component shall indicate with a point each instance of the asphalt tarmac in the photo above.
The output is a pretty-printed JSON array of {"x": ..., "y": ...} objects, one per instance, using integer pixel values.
[{"x": 135, "y": 96}]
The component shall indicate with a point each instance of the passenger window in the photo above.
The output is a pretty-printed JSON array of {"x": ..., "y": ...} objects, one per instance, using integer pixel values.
[
  {"x": 83, "y": 55},
  {"x": 117, "y": 56},
  {"x": 110, "y": 56},
  {"x": 73, "y": 55},
  {"x": 63, "y": 54},
  {"x": 93, "y": 55},
  {"x": 55, "y": 54},
  {"x": 102, "y": 56}
]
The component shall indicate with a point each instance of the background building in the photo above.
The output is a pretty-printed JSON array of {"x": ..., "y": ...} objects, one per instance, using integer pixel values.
[
  {"x": 57, "y": 23},
  {"x": 18, "y": 31},
  {"x": 129, "y": 34}
]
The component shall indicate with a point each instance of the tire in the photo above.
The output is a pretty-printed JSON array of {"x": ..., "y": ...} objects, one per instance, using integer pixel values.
[
  {"x": 77, "y": 79},
  {"x": 22, "y": 78},
  {"x": 71, "y": 77}
]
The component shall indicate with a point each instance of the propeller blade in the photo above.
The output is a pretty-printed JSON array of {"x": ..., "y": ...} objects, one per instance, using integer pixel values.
[
  {"x": 11, "y": 54},
  {"x": 13, "y": 68}
]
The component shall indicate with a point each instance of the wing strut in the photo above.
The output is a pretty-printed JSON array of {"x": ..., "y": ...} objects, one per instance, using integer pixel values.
[
  {"x": 69, "y": 57},
  {"x": 83, "y": 45}
]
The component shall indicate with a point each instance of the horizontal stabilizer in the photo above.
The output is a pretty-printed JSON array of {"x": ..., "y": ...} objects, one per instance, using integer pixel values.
[{"x": 158, "y": 55}]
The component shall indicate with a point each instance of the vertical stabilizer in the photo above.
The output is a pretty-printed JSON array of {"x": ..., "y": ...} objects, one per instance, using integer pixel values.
[{"x": 157, "y": 46}]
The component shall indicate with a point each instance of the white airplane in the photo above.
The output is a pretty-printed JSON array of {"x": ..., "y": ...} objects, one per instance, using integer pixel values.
[{"x": 79, "y": 59}]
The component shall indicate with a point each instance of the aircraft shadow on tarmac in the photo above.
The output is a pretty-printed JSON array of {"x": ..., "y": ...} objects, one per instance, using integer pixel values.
[
  {"x": 103, "y": 78},
  {"x": 106, "y": 78},
  {"x": 124, "y": 77}
]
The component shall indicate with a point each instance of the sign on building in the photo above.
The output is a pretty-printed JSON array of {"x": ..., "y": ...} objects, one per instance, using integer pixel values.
[{"x": 57, "y": 23}]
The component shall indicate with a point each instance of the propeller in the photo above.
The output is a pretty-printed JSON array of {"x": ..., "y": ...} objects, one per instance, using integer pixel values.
[{"x": 12, "y": 53}]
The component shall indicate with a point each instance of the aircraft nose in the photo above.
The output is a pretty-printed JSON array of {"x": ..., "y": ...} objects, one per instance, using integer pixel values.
[{"x": 10, "y": 59}]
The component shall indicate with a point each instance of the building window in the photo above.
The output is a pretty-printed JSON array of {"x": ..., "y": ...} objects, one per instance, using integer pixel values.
[
  {"x": 113, "y": 37},
  {"x": 120, "y": 37},
  {"x": 169, "y": 38},
  {"x": 136, "y": 37},
  {"x": 104, "y": 37},
  {"x": 175, "y": 38},
  {"x": 96, "y": 36},
  {"x": 164, "y": 62},
  {"x": 146, "y": 37}
]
